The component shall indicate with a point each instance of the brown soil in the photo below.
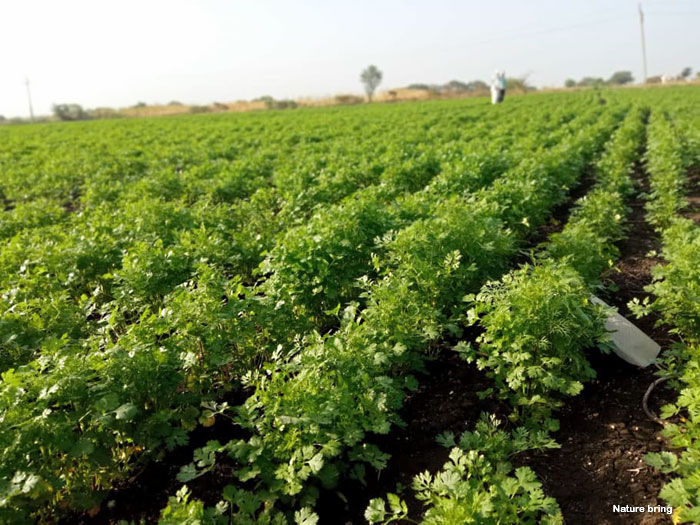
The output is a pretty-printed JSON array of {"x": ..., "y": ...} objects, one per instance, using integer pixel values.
[
  {"x": 692, "y": 211},
  {"x": 141, "y": 498},
  {"x": 447, "y": 400},
  {"x": 639, "y": 253},
  {"x": 604, "y": 436}
]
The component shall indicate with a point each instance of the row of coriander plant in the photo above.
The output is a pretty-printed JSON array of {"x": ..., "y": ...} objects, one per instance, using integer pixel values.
[
  {"x": 136, "y": 387},
  {"x": 673, "y": 152},
  {"x": 314, "y": 267},
  {"x": 311, "y": 409},
  {"x": 538, "y": 321},
  {"x": 175, "y": 326}
]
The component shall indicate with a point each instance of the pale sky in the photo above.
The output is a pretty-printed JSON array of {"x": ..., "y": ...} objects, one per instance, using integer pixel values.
[{"x": 116, "y": 53}]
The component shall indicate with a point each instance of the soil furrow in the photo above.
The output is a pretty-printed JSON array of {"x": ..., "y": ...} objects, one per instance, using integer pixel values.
[
  {"x": 604, "y": 433},
  {"x": 140, "y": 498}
]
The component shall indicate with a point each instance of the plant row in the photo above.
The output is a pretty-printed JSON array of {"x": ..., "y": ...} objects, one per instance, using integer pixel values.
[
  {"x": 66, "y": 279},
  {"x": 673, "y": 153},
  {"x": 538, "y": 322},
  {"x": 311, "y": 409},
  {"x": 175, "y": 329}
]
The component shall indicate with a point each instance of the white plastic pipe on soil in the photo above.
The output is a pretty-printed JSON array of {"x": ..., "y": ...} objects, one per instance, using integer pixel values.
[{"x": 630, "y": 343}]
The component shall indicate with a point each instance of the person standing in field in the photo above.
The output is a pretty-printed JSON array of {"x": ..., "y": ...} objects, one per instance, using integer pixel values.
[{"x": 498, "y": 87}]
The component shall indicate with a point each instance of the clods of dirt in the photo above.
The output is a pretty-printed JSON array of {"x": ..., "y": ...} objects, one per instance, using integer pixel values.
[
  {"x": 446, "y": 400},
  {"x": 604, "y": 435},
  {"x": 692, "y": 210}
]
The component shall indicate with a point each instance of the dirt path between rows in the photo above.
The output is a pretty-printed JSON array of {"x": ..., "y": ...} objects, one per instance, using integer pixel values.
[
  {"x": 692, "y": 196},
  {"x": 604, "y": 436},
  {"x": 604, "y": 432}
]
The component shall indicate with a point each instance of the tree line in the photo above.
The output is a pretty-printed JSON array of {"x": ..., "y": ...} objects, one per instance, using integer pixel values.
[
  {"x": 620, "y": 78},
  {"x": 370, "y": 78}
]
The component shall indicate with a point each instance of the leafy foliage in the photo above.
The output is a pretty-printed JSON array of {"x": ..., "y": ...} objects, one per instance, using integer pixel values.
[
  {"x": 149, "y": 268},
  {"x": 312, "y": 408},
  {"x": 673, "y": 140},
  {"x": 537, "y": 321},
  {"x": 478, "y": 484}
]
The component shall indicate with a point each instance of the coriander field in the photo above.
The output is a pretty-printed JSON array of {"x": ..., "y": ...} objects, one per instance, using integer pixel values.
[{"x": 367, "y": 314}]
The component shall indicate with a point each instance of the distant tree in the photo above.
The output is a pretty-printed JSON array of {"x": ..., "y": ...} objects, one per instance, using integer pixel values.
[
  {"x": 271, "y": 103},
  {"x": 371, "y": 77},
  {"x": 284, "y": 104},
  {"x": 264, "y": 98},
  {"x": 174, "y": 103},
  {"x": 621, "y": 77},
  {"x": 518, "y": 84},
  {"x": 2, "y": 118},
  {"x": 656, "y": 79},
  {"x": 477, "y": 85},
  {"x": 418, "y": 86},
  {"x": 348, "y": 99},
  {"x": 199, "y": 109},
  {"x": 570, "y": 82},
  {"x": 140, "y": 105},
  {"x": 591, "y": 81},
  {"x": 456, "y": 85},
  {"x": 69, "y": 112},
  {"x": 687, "y": 71}
]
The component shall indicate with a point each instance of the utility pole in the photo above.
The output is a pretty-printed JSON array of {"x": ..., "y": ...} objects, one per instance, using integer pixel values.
[
  {"x": 644, "y": 47},
  {"x": 29, "y": 98}
]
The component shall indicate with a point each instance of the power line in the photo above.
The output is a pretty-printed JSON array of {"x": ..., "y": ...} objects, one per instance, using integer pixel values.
[
  {"x": 554, "y": 29},
  {"x": 675, "y": 13},
  {"x": 588, "y": 23}
]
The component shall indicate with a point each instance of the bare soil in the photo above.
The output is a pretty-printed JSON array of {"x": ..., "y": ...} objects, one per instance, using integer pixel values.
[
  {"x": 692, "y": 211},
  {"x": 446, "y": 401},
  {"x": 604, "y": 436}
]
